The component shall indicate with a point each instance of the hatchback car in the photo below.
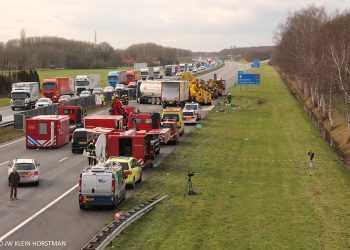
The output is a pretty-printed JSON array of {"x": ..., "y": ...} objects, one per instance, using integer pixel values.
[
  {"x": 28, "y": 170},
  {"x": 64, "y": 98},
  {"x": 108, "y": 89},
  {"x": 85, "y": 93},
  {"x": 97, "y": 91},
  {"x": 43, "y": 102},
  {"x": 119, "y": 87},
  {"x": 190, "y": 117},
  {"x": 131, "y": 167}
]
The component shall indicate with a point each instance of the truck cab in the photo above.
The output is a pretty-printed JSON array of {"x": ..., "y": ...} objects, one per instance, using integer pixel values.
[
  {"x": 174, "y": 114},
  {"x": 144, "y": 74},
  {"x": 102, "y": 185},
  {"x": 24, "y": 95}
]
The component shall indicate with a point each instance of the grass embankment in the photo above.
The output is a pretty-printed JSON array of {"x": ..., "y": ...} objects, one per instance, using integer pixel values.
[
  {"x": 4, "y": 102},
  {"x": 253, "y": 183},
  {"x": 74, "y": 72}
]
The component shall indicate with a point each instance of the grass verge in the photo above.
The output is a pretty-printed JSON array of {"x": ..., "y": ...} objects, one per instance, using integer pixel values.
[
  {"x": 252, "y": 179},
  {"x": 4, "y": 102}
]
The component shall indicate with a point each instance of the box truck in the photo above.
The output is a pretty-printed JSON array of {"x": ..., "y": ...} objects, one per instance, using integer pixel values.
[
  {"x": 47, "y": 131},
  {"x": 87, "y": 82},
  {"x": 147, "y": 74},
  {"x": 116, "y": 77},
  {"x": 24, "y": 95},
  {"x": 104, "y": 121},
  {"x": 174, "y": 93},
  {"x": 53, "y": 88},
  {"x": 149, "y": 92}
]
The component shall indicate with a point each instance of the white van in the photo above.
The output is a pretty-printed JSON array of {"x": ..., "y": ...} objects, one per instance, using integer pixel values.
[{"x": 102, "y": 185}]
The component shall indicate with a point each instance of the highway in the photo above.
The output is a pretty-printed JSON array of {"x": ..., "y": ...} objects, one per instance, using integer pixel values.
[{"x": 50, "y": 212}]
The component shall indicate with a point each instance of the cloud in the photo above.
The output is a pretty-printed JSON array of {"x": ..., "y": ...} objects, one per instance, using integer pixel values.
[{"x": 199, "y": 25}]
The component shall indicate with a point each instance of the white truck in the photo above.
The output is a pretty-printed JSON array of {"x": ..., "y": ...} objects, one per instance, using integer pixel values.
[
  {"x": 158, "y": 72},
  {"x": 101, "y": 185},
  {"x": 175, "y": 93},
  {"x": 87, "y": 82},
  {"x": 24, "y": 95},
  {"x": 149, "y": 92},
  {"x": 147, "y": 74}
]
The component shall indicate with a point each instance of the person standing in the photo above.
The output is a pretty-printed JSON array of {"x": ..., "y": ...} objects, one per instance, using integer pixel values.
[
  {"x": 102, "y": 96},
  {"x": 89, "y": 150},
  {"x": 13, "y": 181},
  {"x": 229, "y": 98}
]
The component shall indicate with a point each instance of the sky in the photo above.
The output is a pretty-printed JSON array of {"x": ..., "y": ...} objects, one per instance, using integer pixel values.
[{"x": 198, "y": 25}]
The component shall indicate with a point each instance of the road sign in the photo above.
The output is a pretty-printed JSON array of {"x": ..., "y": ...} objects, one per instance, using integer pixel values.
[
  {"x": 248, "y": 79},
  {"x": 256, "y": 63}
]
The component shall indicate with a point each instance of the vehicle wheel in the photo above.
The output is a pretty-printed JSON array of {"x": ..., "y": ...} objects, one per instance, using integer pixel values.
[
  {"x": 13, "y": 108},
  {"x": 153, "y": 101},
  {"x": 158, "y": 152},
  {"x": 140, "y": 178},
  {"x": 153, "y": 156},
  {"x": 133, "y": 185},
  {"x": 37, "y": 183},
  {"x": 73, "y": 151},
  {"x": 9, "y": 184},
  {"x": 82, "y": 206},
  {"x": 151, "y": 165},
  {"x": 158, "y": 101}
]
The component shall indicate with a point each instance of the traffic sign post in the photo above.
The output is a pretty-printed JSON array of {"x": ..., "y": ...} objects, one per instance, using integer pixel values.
[
  {"x": 255, "y": 64},
  {"x": 248, "y": 79}
]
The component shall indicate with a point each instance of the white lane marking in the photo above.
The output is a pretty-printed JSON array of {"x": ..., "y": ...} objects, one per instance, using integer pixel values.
[
  {"x": 12, "y": 142},
  {"x": 37, "y": 213},
  {"x": 4, "y": 162},
  {"x": 63, "y": 159}
]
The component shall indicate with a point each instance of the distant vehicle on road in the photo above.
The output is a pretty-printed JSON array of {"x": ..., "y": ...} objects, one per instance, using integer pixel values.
[
  {"x": 119, "y": 87},
  {"x": 24, "y": 95},
  {"x": 131, "y": 168},
  {"x": 87, "y": 82},
  {"x": 64, "y": 98},
  {"x": 28, "y": 170},
  {"x": 43, "y": 102},
  {"x": 108, "y": 89},
  {"x": 179, "y": 73},
  {"x": 195, "y": 107},
  {"x": 101, "y": 185},
  {"x": 85, "y": 93},
  {"x": 97, "y": 91},
  {"x": 132, "y": 85},
  {"x": 53, "y": 88},
  {"x": 189, "y": 116},
  {"x": 195, "y": 70}
]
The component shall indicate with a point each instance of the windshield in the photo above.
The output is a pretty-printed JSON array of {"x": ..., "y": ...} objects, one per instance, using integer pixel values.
[
  {"x": 144, "y": 73},
  {"x": 85, "y": 93},
  {"x": 81, "y": 83},
  {"x": 43, "y": 100},
  {"x": 80, "y": 135},
  {"x": 130, "y": 76},
  {"x": 188, "y": 114},
  {"x": 125, "y": 165},
  {"x": 171, "y": 117},
  {"x": 194, "y": 107},
  {"x": 166, "y": 125},
  {"x": 49, "y": 86},
  {"x": 19, "y": 95},
  {"x": 24, "y": 166},
  {"x": 119, "y": 86},
  {"x": 113, "y": 78}
]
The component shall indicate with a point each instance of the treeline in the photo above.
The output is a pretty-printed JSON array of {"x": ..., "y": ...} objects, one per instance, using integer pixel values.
[
  {"x": 249, "y": 53},
  {"x": 17, "y": 76},
  {"x": 313, "y": 50},
  {"x": 55, "y": 52}
]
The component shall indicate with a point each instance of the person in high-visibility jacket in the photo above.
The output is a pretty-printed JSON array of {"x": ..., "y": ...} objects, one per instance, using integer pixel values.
[{"x": 102, "y": 99}]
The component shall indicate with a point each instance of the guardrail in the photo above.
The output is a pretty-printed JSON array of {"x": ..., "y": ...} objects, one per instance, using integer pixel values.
[{"x": 105, "y": 237}]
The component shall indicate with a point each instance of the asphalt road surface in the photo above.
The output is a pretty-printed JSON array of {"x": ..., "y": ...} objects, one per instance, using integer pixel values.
[{"x": 50, "y": 212}]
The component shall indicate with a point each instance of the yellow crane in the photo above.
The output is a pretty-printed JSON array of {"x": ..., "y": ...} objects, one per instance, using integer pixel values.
[{"x": 198, "y": 89}]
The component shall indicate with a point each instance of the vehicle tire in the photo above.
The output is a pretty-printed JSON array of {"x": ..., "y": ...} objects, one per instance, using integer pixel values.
[
  {"x": 153, "y": 101},
  {"x": 158, "y": 101},
  {"x": 13, "y": 108},
  {"x": 37, "y": 183},
  {"x": 73, "y": 151},
  {"x": 133, "y": 185},
  {"x": 151, "y": 165},
  {"x": 81, "y": 206},
  {"x": 9, "y": 184},
  {"x": 153, "y": 156},
  {"x": 140, "y": 180},
  {"x": 158, "y": 152}
]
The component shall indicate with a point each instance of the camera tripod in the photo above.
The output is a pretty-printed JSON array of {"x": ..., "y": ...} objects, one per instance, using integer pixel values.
[{"x": 189, "y": 187}]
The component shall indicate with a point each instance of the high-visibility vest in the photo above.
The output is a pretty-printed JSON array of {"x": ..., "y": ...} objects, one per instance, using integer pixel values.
[{"x": 102, "y": 98}]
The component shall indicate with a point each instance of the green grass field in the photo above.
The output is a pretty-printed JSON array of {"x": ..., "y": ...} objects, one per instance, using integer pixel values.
[
  {"x": 74, "y": 72},
  {"x": 253, "y": 183},
  {"x": 4, "y": 102}
]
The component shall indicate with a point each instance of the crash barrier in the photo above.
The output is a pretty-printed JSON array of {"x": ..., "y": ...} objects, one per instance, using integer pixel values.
[
  {"x": 20, "y": 118},
  {"x": 105, "y": 237}
]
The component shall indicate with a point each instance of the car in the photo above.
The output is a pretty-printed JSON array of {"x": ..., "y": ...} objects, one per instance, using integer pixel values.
[
  {"x": 132, "y": 85},
  {"x": 131, "y": 167},
  {"x": 195, "y": 70},
  {"x": 43, "y": 102},
  {"x": 97, "y": 91},
  {"x": 119, "y": 87},
  {"x": 108, "y": 89},
  {"x": 85, "y": 93},
  {"x": 190, "y": 116},
  {"x": 203, "y": 67},
  {"x": 179, "y": 73},
  {"x": 64, "y": 98},
  {"x": 195, "y": 107},
  {"x": 28, "y": 170}
]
